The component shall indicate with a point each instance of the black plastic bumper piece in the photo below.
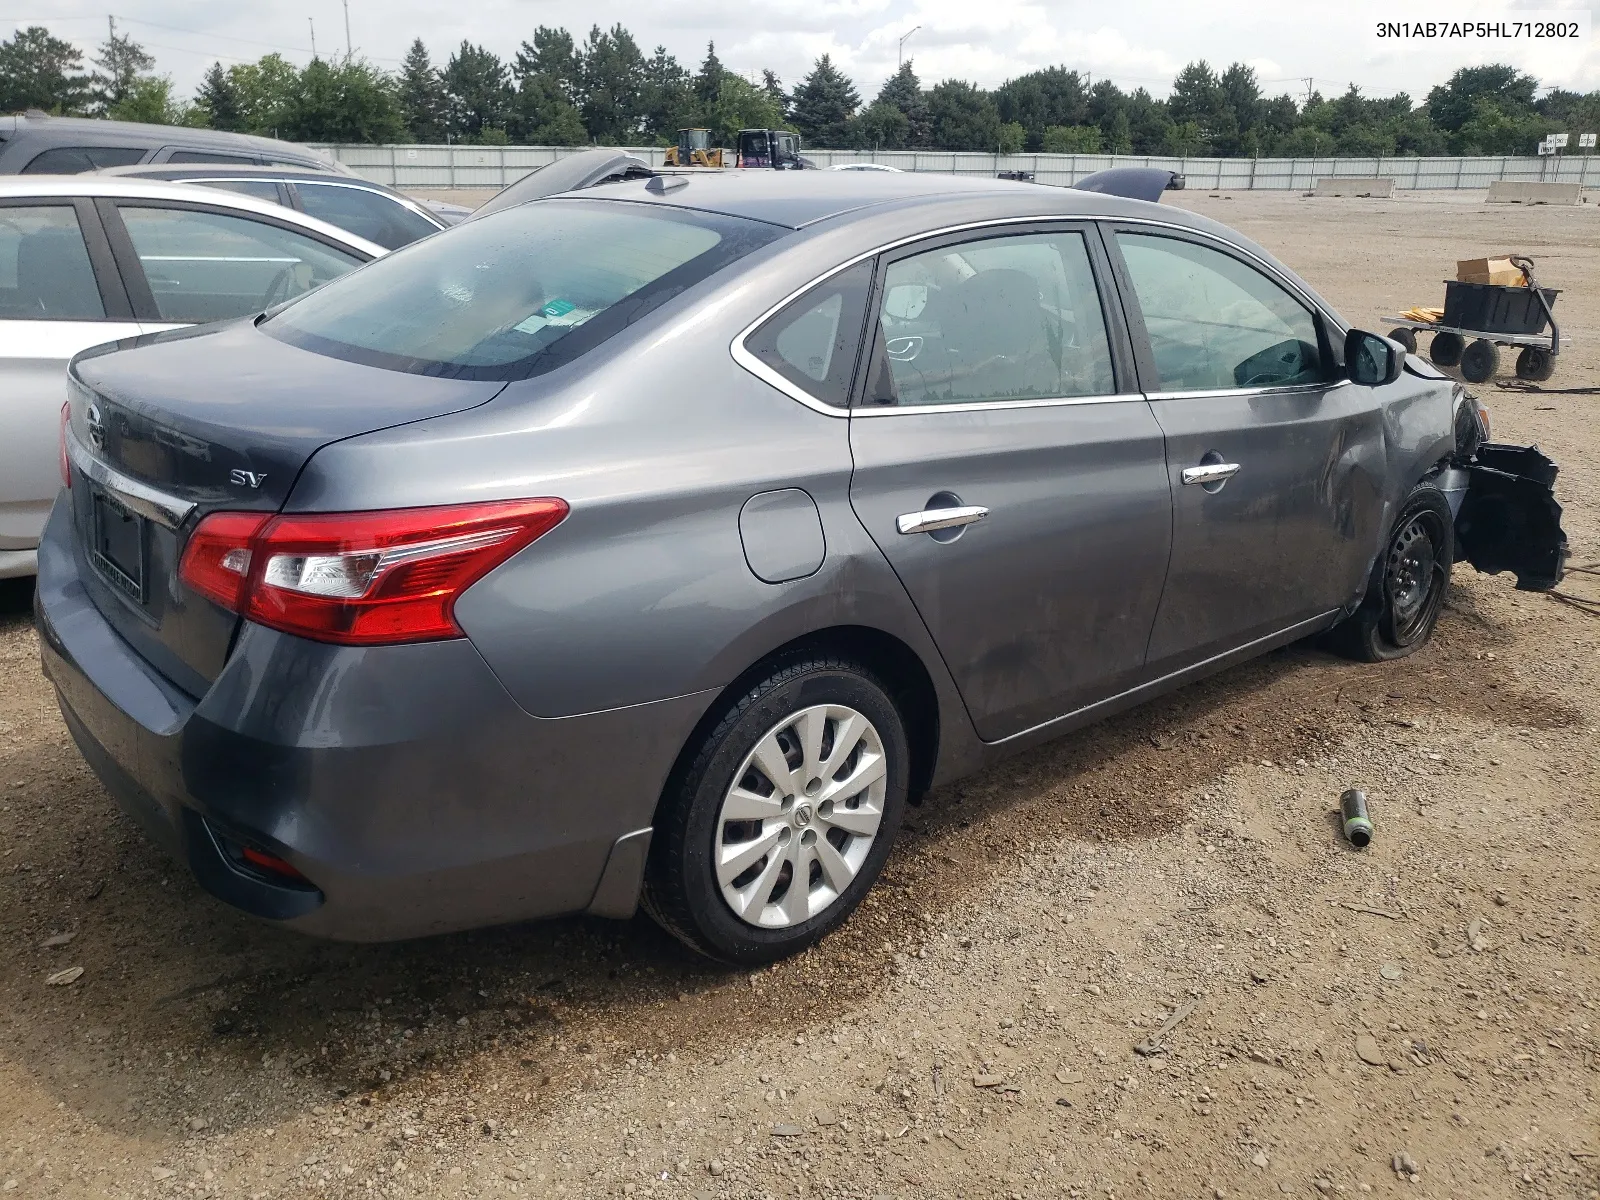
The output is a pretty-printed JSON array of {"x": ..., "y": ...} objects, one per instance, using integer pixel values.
[{"x": 1509, "y": 518}]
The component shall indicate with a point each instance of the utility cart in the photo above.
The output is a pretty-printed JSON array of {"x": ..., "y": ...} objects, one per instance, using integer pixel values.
[{"x": 1479, "y": 318}]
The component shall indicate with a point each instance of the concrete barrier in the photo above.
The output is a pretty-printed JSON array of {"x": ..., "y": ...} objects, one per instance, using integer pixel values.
[
  {"x": 1350, "y": 185},
  {"x": 1503, "y": 191}
]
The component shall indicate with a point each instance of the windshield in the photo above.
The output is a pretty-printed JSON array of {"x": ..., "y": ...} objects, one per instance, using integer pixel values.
[{"x": 519, "y": 292}]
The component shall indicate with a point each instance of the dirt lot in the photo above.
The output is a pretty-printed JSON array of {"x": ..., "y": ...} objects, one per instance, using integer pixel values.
[{"x": 1313, "y": 1020}]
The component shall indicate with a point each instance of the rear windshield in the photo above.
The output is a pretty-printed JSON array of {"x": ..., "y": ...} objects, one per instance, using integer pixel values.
[{"x": 519, "y": 292}]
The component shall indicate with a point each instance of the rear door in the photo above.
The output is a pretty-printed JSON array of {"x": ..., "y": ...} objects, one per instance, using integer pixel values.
[
  {"x": 1276, "y": 462},
  {"x": 59, "y": 294},
  {"x": 1010, "y": 471},
  {"x": 189, "y": 264}
]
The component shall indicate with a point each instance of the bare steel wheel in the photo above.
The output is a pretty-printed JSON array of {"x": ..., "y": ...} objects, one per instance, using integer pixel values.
[
  {"x": 781, "y": 811},
  {"x": 801, "y": 816},
  {"x": 1406, "y": 590}
]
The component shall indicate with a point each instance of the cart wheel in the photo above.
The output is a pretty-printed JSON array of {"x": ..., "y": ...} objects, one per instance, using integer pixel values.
[
  {"x": 1535, "y": 364},
  {"x": 1446, "y": 349},
  {"x": 1406, "y": 337},
  {"x": 1480, "y": 361}
]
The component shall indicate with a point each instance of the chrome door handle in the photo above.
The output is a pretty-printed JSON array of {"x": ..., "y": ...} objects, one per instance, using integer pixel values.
[
  {"x": 1210, "y": 473},
  {"x": 933, "y": 519}
]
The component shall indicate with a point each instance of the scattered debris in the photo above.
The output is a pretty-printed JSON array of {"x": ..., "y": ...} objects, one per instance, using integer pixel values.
[
  {"x": 1405, "y": 1166},
  {"x": 63, "y": 978},
  {"x": 1390, "y": 971},
  {"x": 60, "y": 939},
  {"x": 1357, "y": 824},
  {"x": 987, "y": 1081},
  {"x": 1369, "y": 1051},
  {"x": 787, "y": 1131},
  {"x": 1375, "y": 912},
  {"x": 1475, "y": 938}
]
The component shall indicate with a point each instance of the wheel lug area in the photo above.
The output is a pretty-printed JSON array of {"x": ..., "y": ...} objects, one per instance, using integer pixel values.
[
  {"x": 813, "y": 787},
  {"x": 808, "y": 838}
]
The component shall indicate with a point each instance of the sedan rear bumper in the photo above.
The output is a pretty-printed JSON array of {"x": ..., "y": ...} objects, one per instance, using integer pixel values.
[{"x": 403, "y": 783}]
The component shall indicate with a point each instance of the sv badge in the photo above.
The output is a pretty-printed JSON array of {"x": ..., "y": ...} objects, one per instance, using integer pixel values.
[{"x": 249, "y": 479}]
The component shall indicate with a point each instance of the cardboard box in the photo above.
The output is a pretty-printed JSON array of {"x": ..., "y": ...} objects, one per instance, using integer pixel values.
[{"x": 1496, "y": 271}]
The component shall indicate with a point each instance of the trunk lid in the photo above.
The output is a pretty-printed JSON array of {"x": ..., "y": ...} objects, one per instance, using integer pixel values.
[{"x": 168, "y": 428}]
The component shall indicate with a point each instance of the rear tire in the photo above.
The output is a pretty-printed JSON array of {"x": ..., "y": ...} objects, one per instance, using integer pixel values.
[
  {"x": 1480, "y": 362},
  {"x": 1445, "y": 349},
  {"x": 1406, "y": 591},
  {"x": 800, "y": 784}
]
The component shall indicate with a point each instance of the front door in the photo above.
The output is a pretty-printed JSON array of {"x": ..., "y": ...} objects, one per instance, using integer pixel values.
[
  {"x": 1009, "y": 472},
  {"x": 51, "y": 307},
  {"x": 1276, "y": 463}
]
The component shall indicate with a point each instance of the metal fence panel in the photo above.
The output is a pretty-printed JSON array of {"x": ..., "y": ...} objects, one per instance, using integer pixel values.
[{"x": 496, "y": 166}]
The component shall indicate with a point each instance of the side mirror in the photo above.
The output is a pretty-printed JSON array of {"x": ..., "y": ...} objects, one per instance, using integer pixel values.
[{"x": 1372, "y": 360}]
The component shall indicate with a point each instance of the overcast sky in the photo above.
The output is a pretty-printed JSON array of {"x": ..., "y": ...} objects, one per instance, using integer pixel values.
[{"x": 1134, "y": 42}]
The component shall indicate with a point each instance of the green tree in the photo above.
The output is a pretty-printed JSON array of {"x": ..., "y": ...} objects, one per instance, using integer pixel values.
[
  {"x": 824, "y": 101},
  {"x": 477, "y": 92},
  {"x": 773, "y": 86},
  {"x": 882, "y": 126},
  {"x": 904, "y": 91},
  {"x": 612, "y": 89},
  {"x": 151, "y": 99},
  {"x": 1185, "y": 138},
  {"x": 552, "y": 54},
  {"x": 740, "y": 104},
  {"x": 708, "y": 81},
  {"x": 265, "y": 90},
  {"x": 963, "y": 117},
  {"x": 667, "y": 98},
  {"x": 420, "y": 92},
  {"x": 41, "y": 71},
  {"x": 1238, "y": 125},
  {"x": 1040, "y": 99},
  {"x": 345, "y": 100},
  {"x": 543, "y": 116},
  {"x": 218, "y": 99},
  {"x": 1197, "y": 99},
  {"x": 1117, "y": 133},
  {"x": 1072, "y": 139},
  {"x": 121, "y": 62},
  {"x": 1454, "y": 103}
]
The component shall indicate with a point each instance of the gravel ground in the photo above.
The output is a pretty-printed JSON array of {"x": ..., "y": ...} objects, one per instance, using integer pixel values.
[{"x": 1138, "y": 961}]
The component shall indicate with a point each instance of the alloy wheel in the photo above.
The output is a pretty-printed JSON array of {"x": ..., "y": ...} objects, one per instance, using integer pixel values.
[{"x": 801, "y": 816}]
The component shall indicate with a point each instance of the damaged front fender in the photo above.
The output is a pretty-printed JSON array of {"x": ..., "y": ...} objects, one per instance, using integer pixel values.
[{"x": 1509, "y": 519}]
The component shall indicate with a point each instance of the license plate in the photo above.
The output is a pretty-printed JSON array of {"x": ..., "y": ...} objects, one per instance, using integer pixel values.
[{"x": 118, "y": 548}]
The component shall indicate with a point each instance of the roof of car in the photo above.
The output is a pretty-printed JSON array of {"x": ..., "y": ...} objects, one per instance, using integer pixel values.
[
  {"x": 52, "y": 187},
  {"x": 796, "y": 199},
  {"x": 71, "y": 130},
  {"x": 232, "y": 170}
]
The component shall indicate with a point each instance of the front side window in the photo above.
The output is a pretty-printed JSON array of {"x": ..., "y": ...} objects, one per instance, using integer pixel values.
[
  {"x": 44, "y": 266},
  {"x": 813, "y": 340},
  {"x": 519, "y": 292},
  {"x": 370, "y": 215},
  {"x": 74, "y": 160},
  {"x": 1005, "y": 318},
  {"x": 1215, "y": 323},
  {"x": 206, "y": 266}
]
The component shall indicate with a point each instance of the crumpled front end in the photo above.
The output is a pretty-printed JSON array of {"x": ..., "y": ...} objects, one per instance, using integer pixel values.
[{"x": 1509, "y": 519}]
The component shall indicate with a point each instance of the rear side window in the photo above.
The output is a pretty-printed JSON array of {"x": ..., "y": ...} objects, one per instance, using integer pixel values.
[
  {"x": 210, "y": 156},
  {"x": 813, "y": 340},
  {"x": 1215, "y": 323},
  {"x": 370, "y": 215},
  {"x": 74, "y": 160},
  {"x": 519, "y": 292},
  {"x": 204, "y": 266},
  {"x": 44, "y": 266},
  {"x": 261, "y": 189},
  {"x": 1003, "y": 318}
]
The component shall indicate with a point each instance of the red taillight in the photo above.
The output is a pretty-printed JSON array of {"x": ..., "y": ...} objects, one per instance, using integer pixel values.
[
  {"x": 65, "y": 462},
  {"x": 359, "y": 578},
  {"x": 269, "y": 862}
]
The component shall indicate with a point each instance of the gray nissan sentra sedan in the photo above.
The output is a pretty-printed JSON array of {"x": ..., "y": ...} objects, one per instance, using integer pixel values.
[{"x": 665, "y": 540}]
